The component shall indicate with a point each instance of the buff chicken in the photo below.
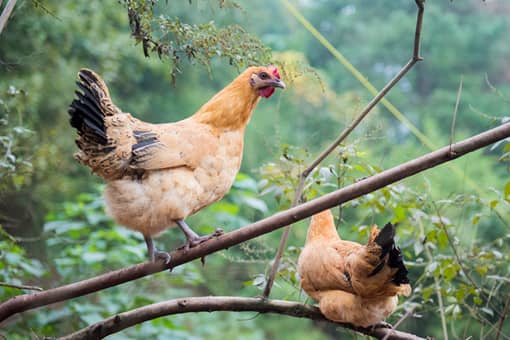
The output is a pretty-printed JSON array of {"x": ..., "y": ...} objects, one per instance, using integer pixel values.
[
  {"x": 353, "y": 283},
  {"x": 159, "y": 174}
]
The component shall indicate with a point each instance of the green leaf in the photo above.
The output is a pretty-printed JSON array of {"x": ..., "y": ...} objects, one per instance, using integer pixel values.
[
  {"x": 400, "y": 213},
  {"x": 427, "y": 293},
  {"x": 460, "y": 294},
  {"x": 487, "y": 310},
  {"x": 477, "y": 300},
  {"x": 255, "y": 203},
  {"x": 450, "y": 272},
  {"x": 418, "y": 247},
  {"x": 61, "y": 227},
  {"x": 493, "y": 203},
  {"x": 507, "y": 189},
  {"x": 482, "y": 269},
  {"x": 245, "y": 182},
  {"x": 442, "y": 239},
  {"x": 93, "y": 257},
  {"x": 457, "y": 310},
  {"x": 476, "y": 218}
]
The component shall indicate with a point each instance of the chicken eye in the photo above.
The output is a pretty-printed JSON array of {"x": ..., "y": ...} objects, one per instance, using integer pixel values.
[{"x": 264, "y": 76}]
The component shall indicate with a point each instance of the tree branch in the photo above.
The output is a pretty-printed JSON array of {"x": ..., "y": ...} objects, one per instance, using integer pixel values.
[
  {"x": 6, "y": 13},
  {"x": 12, "y": 285},
  {"x": 345, "y": 133},
  {"x": 502, "y": 318},
  {"x": 26, "y": 302},
  {"x": 122, "y": 321}
]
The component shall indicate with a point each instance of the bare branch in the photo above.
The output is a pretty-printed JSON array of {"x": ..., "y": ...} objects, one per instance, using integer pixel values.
[
  {"x": 11, "y": 285},
  {"x": 502, "y": 318},
  {"x": 122, "y": 321},
  {"x": 437, "y": 287},
  {"x": 26, "y": 302},
  {"x": 457, "y": 101},
  {"x": 399, "y": 322},
  {"x": 304, "y": 175},
  {"x": 6, "y": 14}
]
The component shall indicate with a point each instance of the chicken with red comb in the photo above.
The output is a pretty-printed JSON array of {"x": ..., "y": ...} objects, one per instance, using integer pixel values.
[{"x": 158, "y": 174}]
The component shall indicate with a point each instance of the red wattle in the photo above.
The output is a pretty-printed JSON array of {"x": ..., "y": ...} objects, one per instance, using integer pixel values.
[{"x": 266, "y": 92}]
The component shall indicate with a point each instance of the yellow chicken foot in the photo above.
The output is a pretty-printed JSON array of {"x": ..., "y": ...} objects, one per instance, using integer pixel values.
[
  {"x": 154, "y": 253},
  {"x": 193, "y": 239}
]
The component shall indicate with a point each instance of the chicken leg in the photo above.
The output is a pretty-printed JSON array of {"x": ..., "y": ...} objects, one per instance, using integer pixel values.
[
  {"x": 154, "y": 253},
  {"x": 192, "y": 238}
]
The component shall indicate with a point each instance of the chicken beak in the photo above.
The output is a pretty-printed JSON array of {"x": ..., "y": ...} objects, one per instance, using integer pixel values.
[{"x": 278, "y": 83}]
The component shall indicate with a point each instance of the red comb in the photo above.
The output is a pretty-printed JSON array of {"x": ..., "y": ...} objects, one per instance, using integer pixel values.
[{"x": 275, "y": 72}]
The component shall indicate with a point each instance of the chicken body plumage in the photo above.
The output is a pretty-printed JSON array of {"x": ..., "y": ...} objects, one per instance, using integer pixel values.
[
  {"x": 159, "y": 174},
  {"x": 353, "y": 283},
  {"x": 155, "y": 201}
]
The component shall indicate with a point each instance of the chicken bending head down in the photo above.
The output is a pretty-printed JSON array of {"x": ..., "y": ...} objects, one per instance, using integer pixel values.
[
  {"x": 159, "y": 174},
  {"x": 353, "y": 283}
]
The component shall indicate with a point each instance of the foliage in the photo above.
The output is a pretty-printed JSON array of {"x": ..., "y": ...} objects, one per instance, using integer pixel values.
[
  {"x": 472, "y": 275},
  {"x": 14, "y": 140},
  {"x": 16, "y": 267},
  {"x": 195, "y": 42},
  {"x": 456, "y": 238}
]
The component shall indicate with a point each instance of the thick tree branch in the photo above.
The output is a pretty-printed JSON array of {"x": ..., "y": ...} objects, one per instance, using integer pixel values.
[
  {"x": 26, "y": 302},
  {"x": 345, "y": 133},
  {"x": 122, "y": 321}
]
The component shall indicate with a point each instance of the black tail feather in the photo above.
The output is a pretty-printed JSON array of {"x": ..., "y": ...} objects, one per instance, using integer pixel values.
[
  {"x": 85, "y": 111},
  {"x": 396, "y": 260},
  {"x": 386, "y": 240}
]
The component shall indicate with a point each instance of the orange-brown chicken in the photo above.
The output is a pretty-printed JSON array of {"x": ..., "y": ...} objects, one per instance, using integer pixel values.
[
  {"x": 353, "y": 283},
  {"x": 159, "y": 174}
]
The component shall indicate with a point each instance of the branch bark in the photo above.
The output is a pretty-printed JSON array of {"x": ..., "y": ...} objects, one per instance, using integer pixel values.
[
  {"x": 26, "y": 302},
  {"x": 6, "y": 13},
  {"x": 122, "y": 321},
  {"x": 345, "y": 133}
]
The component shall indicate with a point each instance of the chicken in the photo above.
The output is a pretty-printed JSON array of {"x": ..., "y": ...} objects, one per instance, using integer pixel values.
[
  {"x": 159, "y": 174},
  {"x": 353, "y": 283}
]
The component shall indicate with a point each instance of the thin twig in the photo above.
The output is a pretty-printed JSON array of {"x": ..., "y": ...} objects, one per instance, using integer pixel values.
[
  {"x": 6, "y": 14},
  {"x": 12, "y": 285},
  {"x": 439, "y": 298},
  {"x": 21, "y": 303},
  {"x": 345, "y": 133},
  {"x": 457, "y": 101},
  {"x": 122, "y": 321},
  {"x": 399, "y": 322},
  {"x": 503, "y": 317}
]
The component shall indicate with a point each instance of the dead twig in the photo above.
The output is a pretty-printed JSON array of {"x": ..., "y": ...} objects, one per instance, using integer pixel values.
[
  {"x": 12, "y": 285},
  {"x": 457, "y": 101}
]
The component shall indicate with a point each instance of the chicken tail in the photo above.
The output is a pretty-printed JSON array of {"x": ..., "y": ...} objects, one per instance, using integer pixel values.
[
  {"x": 391, "y": 256},
  {"x": 89, "y": 109},
  {"x": 89, "y": 114}
]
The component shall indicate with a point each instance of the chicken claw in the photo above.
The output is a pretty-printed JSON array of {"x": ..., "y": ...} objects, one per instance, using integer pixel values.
[
  {"x": 154, "y": 253},
  {"x": 193, "y": 239},
  {"x": 382, "y": 324}
]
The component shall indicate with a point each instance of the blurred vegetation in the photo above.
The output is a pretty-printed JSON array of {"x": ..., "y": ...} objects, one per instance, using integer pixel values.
[{"x": 453, "y": 229}]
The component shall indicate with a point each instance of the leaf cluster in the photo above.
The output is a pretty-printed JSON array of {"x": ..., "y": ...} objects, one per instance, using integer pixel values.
[{"x": 197, "y": 43}]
